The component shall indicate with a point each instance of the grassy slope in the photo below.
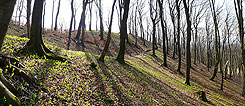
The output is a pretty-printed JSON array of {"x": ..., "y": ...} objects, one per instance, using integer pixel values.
[{"x": 142, "y": 81}]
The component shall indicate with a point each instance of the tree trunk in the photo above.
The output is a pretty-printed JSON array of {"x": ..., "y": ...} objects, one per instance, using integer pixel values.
[
  {"x": 6, "y": 11},
  {"x": 28, "y": 17},
  {"x": 135, "y": 26},
  {"x": 178, "y": 35},
  {"x": 108, "y": 40},
  {"x": 70, "y": 29},
  {"x": 239, "y": 14},
  {"x": 123, "y": 33},
  {"x": 35, "y": 43},
  {"x": 101, "y": 21},
  {"x": 217, "y": 45},
  {"x": 44, "y": 11},
  {"x": 52, "y": 15},
  {"x": 21, "y": 4},
  {"x": 188, "y": 52},
  {"x": 82, "y": 23},
  {"x": 164, "y": 33},
  {"x": 91, "y": 14},
  {"x": 56, "y": 19}
]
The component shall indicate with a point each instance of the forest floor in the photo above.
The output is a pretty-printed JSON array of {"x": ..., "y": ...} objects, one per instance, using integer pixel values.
[{"x": 141, "y": 81}]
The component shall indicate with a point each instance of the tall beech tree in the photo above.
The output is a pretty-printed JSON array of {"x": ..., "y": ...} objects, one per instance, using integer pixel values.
[
  {"x": 99, "y": 6},
  {"x": 28, "y": 12},
  {"x": 160, "y": 3},
  {"x": 154, "y": 20},
  {"x": 216, "y": 37},
  {"x": 123, "y": 32},
  {"x": 188, "y": 41},
  {"x": 108, "y": 40},
  {"x": 6, "y": 11},
  {"x": 57, "y": 14},
  {"x": 177, "y": 2},
  {"x": 239, "y": 15},
  {"x": 52, "y": 23},
  {"x": 81, "y": 26},
  {"x": 172, "y": 8},
  {"x": 70, "y": 29}
]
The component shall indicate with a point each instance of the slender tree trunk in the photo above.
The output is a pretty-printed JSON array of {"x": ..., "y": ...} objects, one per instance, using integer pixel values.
[
  {"x": 239, "y": 14},
  {"x": 108, "y": 40},
  {"x": 154, "y": 38},
  {"x": 178, "y": 35},
  {"x": 21, "y": 4},
  {"x": 217, "y": 45},
  {"x": 123, "y": 33},
  {"x": 188, "y": 52},
  {"x": 44, "y": 11},
  {"x": 101, "y": 21},
  {"x": 28, "y": 17},
  {"x": 91, "y": 14},
  {"x": 82, "y": 24},
  {"x": 56, "y": 19},
  {"x": 52, "y": 15},
  {"x": 160, "y": 2},
  {"x": 72, "y": 17},
  {"x": 135, "y": 27}
]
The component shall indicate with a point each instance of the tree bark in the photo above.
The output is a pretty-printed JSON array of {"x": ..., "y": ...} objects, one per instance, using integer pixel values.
[
  {"x": 70, "y": 29},
  {"x": 44, "y": 12},
  {"x": 123, "y": 33},
  {"x": 188, "y": 52},
  {"x": 52, "y": 15},
  {"x": 101, "y": 21},
  {"x": 239, "y": 14},
  {"x": 160, "y": 2},
  {"x": 108, "y": 40},
  {"x": 28, "y": 17},
  {"x": 217, "y": 45},
  {"x": 91, "y": 14},
  {"x": 178, "y": 34},
  {"x": 56, "y": 19},
  {"x": 6, "y": 11}
]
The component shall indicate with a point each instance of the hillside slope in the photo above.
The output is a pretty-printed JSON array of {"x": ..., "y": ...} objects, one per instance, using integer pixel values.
[{"x": 142, "y": 81}]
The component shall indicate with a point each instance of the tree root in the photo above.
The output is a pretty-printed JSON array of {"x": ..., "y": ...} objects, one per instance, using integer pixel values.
[
  {"x": 202, "y": 96},
  {"x": 15, "y": 66},
  {"x": 11, "y": 98}
]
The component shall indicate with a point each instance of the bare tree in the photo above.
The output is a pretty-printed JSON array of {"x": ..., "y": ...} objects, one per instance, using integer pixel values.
[
  {"x": 44, "y": 11},
  {"x": 160, "y": 2},
  {"x": 52, "y": 15},
  {"x": 198, "y": 13},
  {"x": 217, "y": 39},
  {"x": 21, "y": 6},
  {"x": 28, "y": 12},
  {"x": 99, "y": 6},
  {"x": 123, "y": 32},
  {"x": 82, "y": 23},
  {"x": 91, "y": 14},
  {"x": 70, "y": 29},
  {"x": 141, "y": 6},
  {"x": 172, "y": 6},
  {"x": 56, "y": 19},
  {"x": 177, "y": 2},
  {"x": 154, "y": 20},
  {"x": 239, "y": 15},
  {"x": 188, "y": 52},
  {"x": 108, "y": 40}
]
